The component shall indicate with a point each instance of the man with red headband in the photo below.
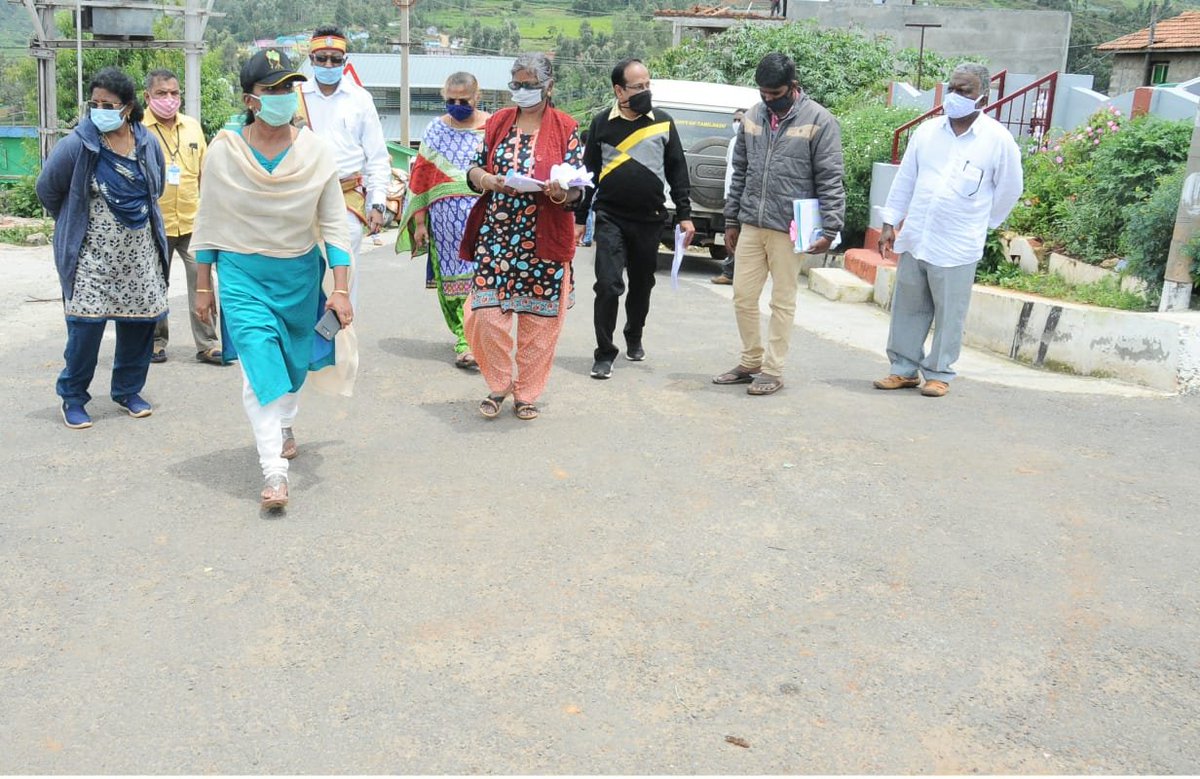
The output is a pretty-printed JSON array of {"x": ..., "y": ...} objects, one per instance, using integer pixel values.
[{"x": 343, "y": 113}]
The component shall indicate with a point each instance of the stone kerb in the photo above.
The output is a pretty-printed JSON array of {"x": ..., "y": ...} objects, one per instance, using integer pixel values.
[
  {"x": 1078, "y": 272},
  {"x": 1156, "y": 350}
]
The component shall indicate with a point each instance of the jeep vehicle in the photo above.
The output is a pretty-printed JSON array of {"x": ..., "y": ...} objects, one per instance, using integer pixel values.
[{"x": 703, "y": 115}]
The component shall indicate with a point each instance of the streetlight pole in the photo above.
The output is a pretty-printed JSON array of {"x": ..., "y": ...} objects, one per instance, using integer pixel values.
[
  {"x": 405, "y": 7},
  {"x": 921, "y": 52}
]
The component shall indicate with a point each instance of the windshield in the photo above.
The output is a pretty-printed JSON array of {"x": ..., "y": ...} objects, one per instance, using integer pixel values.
[{"x": 696, "y": 125}]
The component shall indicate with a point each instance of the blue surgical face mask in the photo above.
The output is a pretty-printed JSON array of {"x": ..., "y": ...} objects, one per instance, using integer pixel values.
[
  {"x": 327, "y": 76},
  {"x": 106, "y": 119},
  {"x": 277, "y": 110},
  {"x": 458, "y": 112},
  {"x": 526, "y": 98}
]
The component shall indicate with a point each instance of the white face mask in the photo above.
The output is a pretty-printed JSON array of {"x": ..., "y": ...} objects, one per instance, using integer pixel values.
[
  {"x": 526, "y": 98},
  {"x": 958, "y": 107}
]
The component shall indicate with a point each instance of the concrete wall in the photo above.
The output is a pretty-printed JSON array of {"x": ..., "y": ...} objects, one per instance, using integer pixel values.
[
  {"x": 1155, "y": 350},
  {"x": 1018, "y": 40},
  {"x": 1129, "y": 70}
]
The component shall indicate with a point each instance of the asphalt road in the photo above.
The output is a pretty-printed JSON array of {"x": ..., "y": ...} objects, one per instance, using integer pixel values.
[{"x": 838, "y": 579}]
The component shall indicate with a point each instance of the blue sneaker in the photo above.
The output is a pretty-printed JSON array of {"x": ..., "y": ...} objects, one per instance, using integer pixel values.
[
  {"x": 134, "y": 404},
  {"x": 75, "y": 417}
]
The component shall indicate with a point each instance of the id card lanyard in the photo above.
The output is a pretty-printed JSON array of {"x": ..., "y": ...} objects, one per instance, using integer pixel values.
[{"x": 173, "y": 170}]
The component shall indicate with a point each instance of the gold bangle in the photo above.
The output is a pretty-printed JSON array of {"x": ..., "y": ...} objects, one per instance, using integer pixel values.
[
  {"x": 203, "y": 290},
  {"x": 344, "y": 292},
  {"x": 557, "y": 202}
]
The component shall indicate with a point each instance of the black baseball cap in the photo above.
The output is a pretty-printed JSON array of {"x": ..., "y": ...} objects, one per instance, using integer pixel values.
[{"x": 268, "y": 67}]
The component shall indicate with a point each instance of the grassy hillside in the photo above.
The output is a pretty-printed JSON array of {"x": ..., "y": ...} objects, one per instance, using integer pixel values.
[
  {"x": 539, "y": 21},
  {"x": 15, "y": 27}
]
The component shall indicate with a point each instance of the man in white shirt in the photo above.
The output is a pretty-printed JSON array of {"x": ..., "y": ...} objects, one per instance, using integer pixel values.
[
  {"x": 343, "y": 113},
  {"x": 960, "y": 177}
]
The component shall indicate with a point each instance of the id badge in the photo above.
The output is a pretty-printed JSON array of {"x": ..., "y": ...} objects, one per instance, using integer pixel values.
[{"x": 173, "y": 174}]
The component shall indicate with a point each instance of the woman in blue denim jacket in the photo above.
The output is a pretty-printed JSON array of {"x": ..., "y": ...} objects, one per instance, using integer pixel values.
[{"x": 101, "y": 184}]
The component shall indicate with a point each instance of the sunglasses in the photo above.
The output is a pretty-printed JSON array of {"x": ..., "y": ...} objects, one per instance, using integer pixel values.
[
  {"x": 104, "y": 105},
  {"x": 331, "y": 59},
  {"x": 514, "y": 85},
  {"x": 458, "y": 101}
]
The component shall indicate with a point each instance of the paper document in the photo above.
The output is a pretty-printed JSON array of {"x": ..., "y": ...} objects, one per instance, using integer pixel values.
[
  {"x": 677, "y": 260},
  {"x": 523, "y": 183},
  {"x": 570, "y": 176}
]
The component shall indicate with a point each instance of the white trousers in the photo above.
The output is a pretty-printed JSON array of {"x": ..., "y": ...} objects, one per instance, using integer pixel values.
[
  {"x": 268, "y": 422},
  {"x": 356, "y": 239}
]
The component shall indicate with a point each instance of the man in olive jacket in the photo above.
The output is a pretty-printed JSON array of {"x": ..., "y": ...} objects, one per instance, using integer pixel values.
[{"x": 790, "y": 148}]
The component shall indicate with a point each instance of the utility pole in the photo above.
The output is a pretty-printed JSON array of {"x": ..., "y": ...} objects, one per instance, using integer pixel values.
[
  {"x": 1148, "y": 71},
  {"x": 921, "y": 52},
  {"x": 126, "y": 26},
  {"x": 405, "y": 7},
  {"x": 1177, "y": 284}
]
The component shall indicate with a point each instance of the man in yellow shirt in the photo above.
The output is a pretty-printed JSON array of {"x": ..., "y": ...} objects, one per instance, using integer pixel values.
[{"x": 183, "y": 146}]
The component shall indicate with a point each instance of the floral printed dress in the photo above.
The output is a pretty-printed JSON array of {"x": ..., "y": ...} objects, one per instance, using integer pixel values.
[
  {"x": 510, "y": 276},
  {"x": 119, "y": 275}
]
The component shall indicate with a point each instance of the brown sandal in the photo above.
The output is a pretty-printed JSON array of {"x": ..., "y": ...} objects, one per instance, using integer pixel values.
[
  {"x": 289, "y": 450},
  {"x": 275, "y": 493},
  {"x": 490, "y": 406},
  {"x": 765, "y": 384},
  {"x": 738, "y": 375},
  {"x": 525, "y": 411}
]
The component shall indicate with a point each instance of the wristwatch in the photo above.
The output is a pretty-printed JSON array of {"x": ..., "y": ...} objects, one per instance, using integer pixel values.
[{"x": 380, "y": 207}]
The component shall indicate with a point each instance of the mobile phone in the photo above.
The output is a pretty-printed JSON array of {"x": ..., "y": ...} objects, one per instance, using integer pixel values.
[{"x": 328, "y": 325}]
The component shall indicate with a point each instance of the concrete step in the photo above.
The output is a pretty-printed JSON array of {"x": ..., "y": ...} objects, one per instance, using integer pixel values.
[
  {"x": 839, "y": 284},
  {"x": 864, "y": 263}
]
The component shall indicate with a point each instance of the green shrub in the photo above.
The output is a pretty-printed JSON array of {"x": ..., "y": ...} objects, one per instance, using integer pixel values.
[
  {"x": 20, "y": 199},
  {"x": 1106, "y": 292},
  {"x": 1146, "y": 239},
  {"x": 1056, "y": 173},
  {"x": 17, "y": 235},
  {"x": 866, "y": 139}
]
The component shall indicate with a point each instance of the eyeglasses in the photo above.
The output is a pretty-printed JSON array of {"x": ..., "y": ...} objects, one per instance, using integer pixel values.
[
  {"x": 636, "y": 87},
  {"x": 515, "y": 85},
  {"x": 331, "y": 59},
  {"x": 104, "y": 105}
]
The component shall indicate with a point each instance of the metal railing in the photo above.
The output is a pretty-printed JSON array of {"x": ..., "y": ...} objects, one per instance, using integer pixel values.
[{"x": 998, "y": 83}]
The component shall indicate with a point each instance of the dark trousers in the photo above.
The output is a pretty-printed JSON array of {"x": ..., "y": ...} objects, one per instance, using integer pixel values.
[
  {"x": 632, "y": 248},
  {"x": 131, "y": 362},
  {"x": 203, "y": 333}
]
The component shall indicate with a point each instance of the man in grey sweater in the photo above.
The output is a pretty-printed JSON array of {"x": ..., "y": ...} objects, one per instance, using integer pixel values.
[{"x": 790, "y": 148}]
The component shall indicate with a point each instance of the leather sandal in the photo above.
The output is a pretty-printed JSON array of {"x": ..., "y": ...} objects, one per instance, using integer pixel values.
[
  {"x": 289, "y": 450},
  {"x": 737, "y": 375},
  {"x": 211, "y": 356},
  {"x": 490, "y": 406},
  {"x": 275, "y": 493},
  {"x": 765, "y": 384},
  {"x": 525, "y": 411}
]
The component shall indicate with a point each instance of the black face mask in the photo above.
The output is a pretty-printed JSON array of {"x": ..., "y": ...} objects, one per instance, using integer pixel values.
[
  {"x": 781, "y": 105},
  {"x": 640, "y": 103}
]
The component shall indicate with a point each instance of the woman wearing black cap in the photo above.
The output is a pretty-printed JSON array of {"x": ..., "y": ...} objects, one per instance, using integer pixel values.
[{"x": 271, "y": 217}]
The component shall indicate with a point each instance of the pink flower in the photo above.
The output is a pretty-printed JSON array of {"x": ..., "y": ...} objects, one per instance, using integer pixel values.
[
  {"x": 1058, "y": 147},
  {"x": 1058, "y": 160},
  {"x": 1090, "y": 130},
  {"x": 1115, "y": 111},
  {"x": 1096, "y": 142}
]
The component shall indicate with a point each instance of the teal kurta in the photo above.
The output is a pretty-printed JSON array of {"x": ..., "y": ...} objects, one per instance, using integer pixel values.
[{"x": 269, "y": 307}]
